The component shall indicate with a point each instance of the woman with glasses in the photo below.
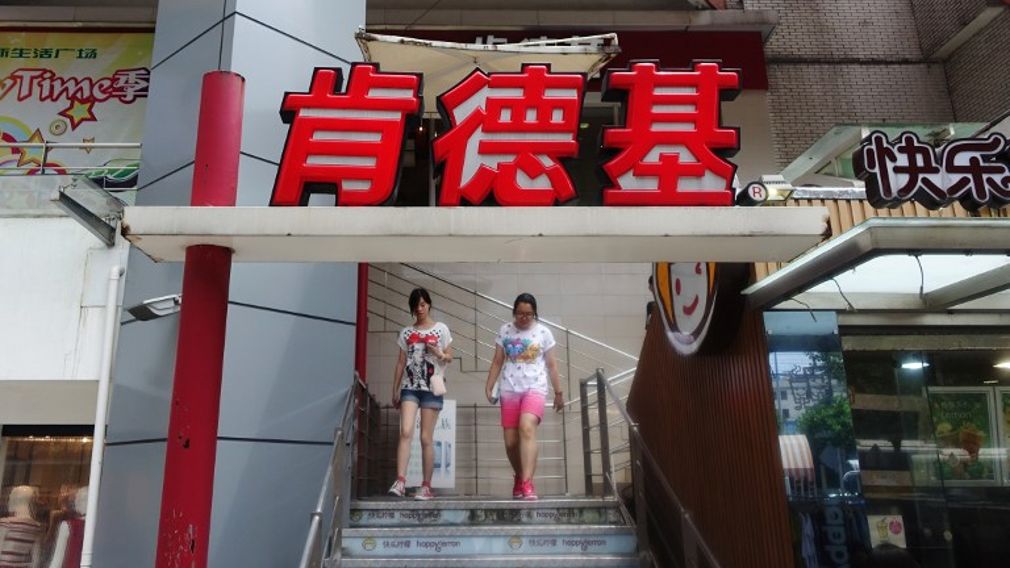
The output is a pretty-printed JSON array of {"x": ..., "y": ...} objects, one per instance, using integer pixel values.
[
  {"x": 424, "y": 352},
  {"x": 524, "y": 356}
]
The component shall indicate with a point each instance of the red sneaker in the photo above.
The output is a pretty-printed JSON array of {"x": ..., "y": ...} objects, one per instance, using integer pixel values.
[
  {"x": 517, "y": 488},
  {"x": 529, "y": 492},
  {"x": 424, "y": 494}
]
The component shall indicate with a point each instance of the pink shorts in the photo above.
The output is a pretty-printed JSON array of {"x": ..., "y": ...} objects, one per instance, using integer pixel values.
[{"x": 515, "y": 403}]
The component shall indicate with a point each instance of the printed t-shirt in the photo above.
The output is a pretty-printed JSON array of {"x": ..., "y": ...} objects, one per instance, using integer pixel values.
[
  {"x": 420, "y": 363},
  {"x": 525, "y": 368}
]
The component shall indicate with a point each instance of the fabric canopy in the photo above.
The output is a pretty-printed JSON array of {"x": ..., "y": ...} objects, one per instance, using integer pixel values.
[
  {"x": 797, "y": 460},
  {"x": 444, "y": 64}
]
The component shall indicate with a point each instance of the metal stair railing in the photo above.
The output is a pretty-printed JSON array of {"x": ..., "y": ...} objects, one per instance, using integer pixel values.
[
  {"x": 474, "y": 319},
  {"x": 483, "y": 315},
  {"x": 667, "y": 534},
  {"x": 341, "y": 483}
]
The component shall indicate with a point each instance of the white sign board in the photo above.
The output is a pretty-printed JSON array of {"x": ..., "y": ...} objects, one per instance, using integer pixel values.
[{"x": 444, "y": 474}]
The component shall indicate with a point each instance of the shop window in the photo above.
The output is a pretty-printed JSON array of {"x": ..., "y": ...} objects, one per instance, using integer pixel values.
[
  {"x": 816, "y": 439},
  {"x": 43, "y": 494},
  {"x": 931, "y": 419}
]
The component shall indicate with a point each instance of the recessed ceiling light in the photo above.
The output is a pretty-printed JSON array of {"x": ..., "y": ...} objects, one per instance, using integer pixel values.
[
  {"x": 990, "y": 382},
  {"x": 914, "y": 365}
]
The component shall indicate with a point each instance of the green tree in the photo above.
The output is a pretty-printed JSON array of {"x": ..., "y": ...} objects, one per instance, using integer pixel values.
[{"x": 828, "y": 423}]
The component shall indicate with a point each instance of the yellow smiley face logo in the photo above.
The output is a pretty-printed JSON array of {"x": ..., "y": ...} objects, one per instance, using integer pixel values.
[{"x": 368, "y": 543}]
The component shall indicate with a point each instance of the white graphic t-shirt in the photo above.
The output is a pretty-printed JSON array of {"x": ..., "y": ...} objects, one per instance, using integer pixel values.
[
  {"x": 525, "y": 368},
  {"x": 421, "y": 363}
]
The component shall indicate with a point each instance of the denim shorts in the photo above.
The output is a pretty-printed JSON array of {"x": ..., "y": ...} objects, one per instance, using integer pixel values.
[{"x": 422, "y": 398}]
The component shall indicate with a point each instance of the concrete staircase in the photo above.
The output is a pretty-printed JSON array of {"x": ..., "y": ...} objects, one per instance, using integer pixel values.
[{"x": 477, "y": 532}]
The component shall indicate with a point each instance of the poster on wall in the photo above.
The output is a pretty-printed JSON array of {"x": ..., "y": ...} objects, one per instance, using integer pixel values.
[
  {"x": 887, "y": 529},
  {"x": 964, "y": 427},
  {"x": 444, "y": 474},
  {"x": 73, "y": 88}
]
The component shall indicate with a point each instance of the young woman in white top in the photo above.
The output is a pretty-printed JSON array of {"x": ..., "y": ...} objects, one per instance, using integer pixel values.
[
  {"x": 524, "y": 356},
  {"x": 424, "y": 353}
]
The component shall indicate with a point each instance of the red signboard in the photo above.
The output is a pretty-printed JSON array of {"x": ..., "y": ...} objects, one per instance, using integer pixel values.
[
  {"x": 671, "y": 140},
  {"x": 347, "y": 143},
  {"x": 508, "y": 133}
]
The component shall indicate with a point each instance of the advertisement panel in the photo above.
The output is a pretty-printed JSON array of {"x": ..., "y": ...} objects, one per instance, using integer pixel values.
[
  {"x": 73, "y": 88},
  {"x": 965, "y": 430},
  {"x": 444, "y": 475}
]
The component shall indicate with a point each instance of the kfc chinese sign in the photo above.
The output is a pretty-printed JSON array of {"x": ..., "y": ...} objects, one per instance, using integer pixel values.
[
  {"x": 346, "y": 143},
  {"x": 508, "y": 134},
  {"x": 972, "y": 171}
]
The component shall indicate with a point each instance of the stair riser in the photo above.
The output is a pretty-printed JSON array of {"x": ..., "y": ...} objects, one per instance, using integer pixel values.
[
  {"x": 463, "y": 517},
  {"x": 491, "y": 545},
  {"x": 511, "y": 561}
]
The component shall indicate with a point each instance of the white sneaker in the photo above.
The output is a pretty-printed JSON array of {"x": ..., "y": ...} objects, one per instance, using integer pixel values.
[
  {"x": 398, "y": 488},
  {"x": 424, "y": 494}
]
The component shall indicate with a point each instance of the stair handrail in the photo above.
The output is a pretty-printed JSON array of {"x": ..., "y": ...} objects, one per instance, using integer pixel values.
[
  {"x": 338, "y": 478},
  {"x": 693, "y": 541},
  {"x": 509, "y": 307}
]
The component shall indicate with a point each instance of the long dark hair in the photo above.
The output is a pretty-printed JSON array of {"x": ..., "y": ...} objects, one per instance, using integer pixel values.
[
  {"x": 416, "y": 295},
  {"x": 526, "y": 298}
]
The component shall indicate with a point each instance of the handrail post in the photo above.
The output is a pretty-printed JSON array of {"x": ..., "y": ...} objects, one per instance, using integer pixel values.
[
  {"x": 476, "y": 455},
  {"x": 641, "y": 507},
  {"x": 587, "y": 450},
  {"x": 601, "y": 405}
]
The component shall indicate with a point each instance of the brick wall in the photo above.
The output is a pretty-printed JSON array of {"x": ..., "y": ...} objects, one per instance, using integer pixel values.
[
  {"x": 979, "y": 73},
  {"x": 805, "y": 100},
  {"x": 939, "y": 20},
  {"x": 836, "y": 62},
  {"x": 841, "y": 29}
]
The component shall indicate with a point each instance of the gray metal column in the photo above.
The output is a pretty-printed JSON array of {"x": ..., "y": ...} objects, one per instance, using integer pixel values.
[{"x": 289, "y": 349}]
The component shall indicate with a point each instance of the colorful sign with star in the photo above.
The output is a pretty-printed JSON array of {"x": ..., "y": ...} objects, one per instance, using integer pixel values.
[{"x": 73, "y": 88}]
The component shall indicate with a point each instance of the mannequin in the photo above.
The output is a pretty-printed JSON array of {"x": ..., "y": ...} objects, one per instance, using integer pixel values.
[
  {"x": 20, "y": 533},
  {"x": 70, "y": 536}
]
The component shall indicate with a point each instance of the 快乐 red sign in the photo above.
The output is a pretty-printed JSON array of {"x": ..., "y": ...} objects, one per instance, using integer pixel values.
[{"x": 508, "y": 133}]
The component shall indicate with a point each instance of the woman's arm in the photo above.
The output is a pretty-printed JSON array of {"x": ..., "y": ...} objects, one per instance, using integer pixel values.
[
  {"x": 401, "y": 363},
  {"x": 492, "y": 373},
  {"x": 552, "y": 372}
]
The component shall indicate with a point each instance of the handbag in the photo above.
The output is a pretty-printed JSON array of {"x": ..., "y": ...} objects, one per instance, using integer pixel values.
[{"x": 438, "y": 380}]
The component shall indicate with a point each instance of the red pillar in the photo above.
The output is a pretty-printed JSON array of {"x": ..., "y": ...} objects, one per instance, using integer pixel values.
[
  {"x": 187, "y": 493},
  {"x": 361, "y": 327}
]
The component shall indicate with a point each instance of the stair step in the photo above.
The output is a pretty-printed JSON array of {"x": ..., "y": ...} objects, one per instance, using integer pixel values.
[
  {"x": 497, "y": 540},
  {"x": 512, "y": 561},
  {"x": 467, "y": 511}
]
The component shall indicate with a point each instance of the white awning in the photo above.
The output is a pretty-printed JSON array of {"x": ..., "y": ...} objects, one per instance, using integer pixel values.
[
  {"x": 444, "y": 63},
  {"x": 925, "y": 265},
  {"x": 479, "y": 234}
]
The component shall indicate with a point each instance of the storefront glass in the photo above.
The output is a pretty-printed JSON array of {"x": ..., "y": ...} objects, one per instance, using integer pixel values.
[
  {"x": 930, "y": 414},
  {"x": 43, "y": 495},
  {"x": 894, "y": 442},
  {"x": 816, "y": 439}
]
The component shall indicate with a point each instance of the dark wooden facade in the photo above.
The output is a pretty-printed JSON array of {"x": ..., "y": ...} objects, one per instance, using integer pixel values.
[{"x": 710, "y": 422}]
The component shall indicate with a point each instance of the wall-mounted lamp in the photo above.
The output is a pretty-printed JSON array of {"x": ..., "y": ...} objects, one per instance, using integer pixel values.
[
  {"x": 155, "y": 308},
  {"x": 914, "y": 365},
  {"x": 1002, "y": 365}
]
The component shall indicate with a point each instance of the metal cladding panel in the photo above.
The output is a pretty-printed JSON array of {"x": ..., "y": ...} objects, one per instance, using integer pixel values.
[{"x": 709, "y": 421}]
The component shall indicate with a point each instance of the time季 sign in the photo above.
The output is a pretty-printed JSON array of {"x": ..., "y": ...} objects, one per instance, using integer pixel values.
[{"x": 508, "y": 135}]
